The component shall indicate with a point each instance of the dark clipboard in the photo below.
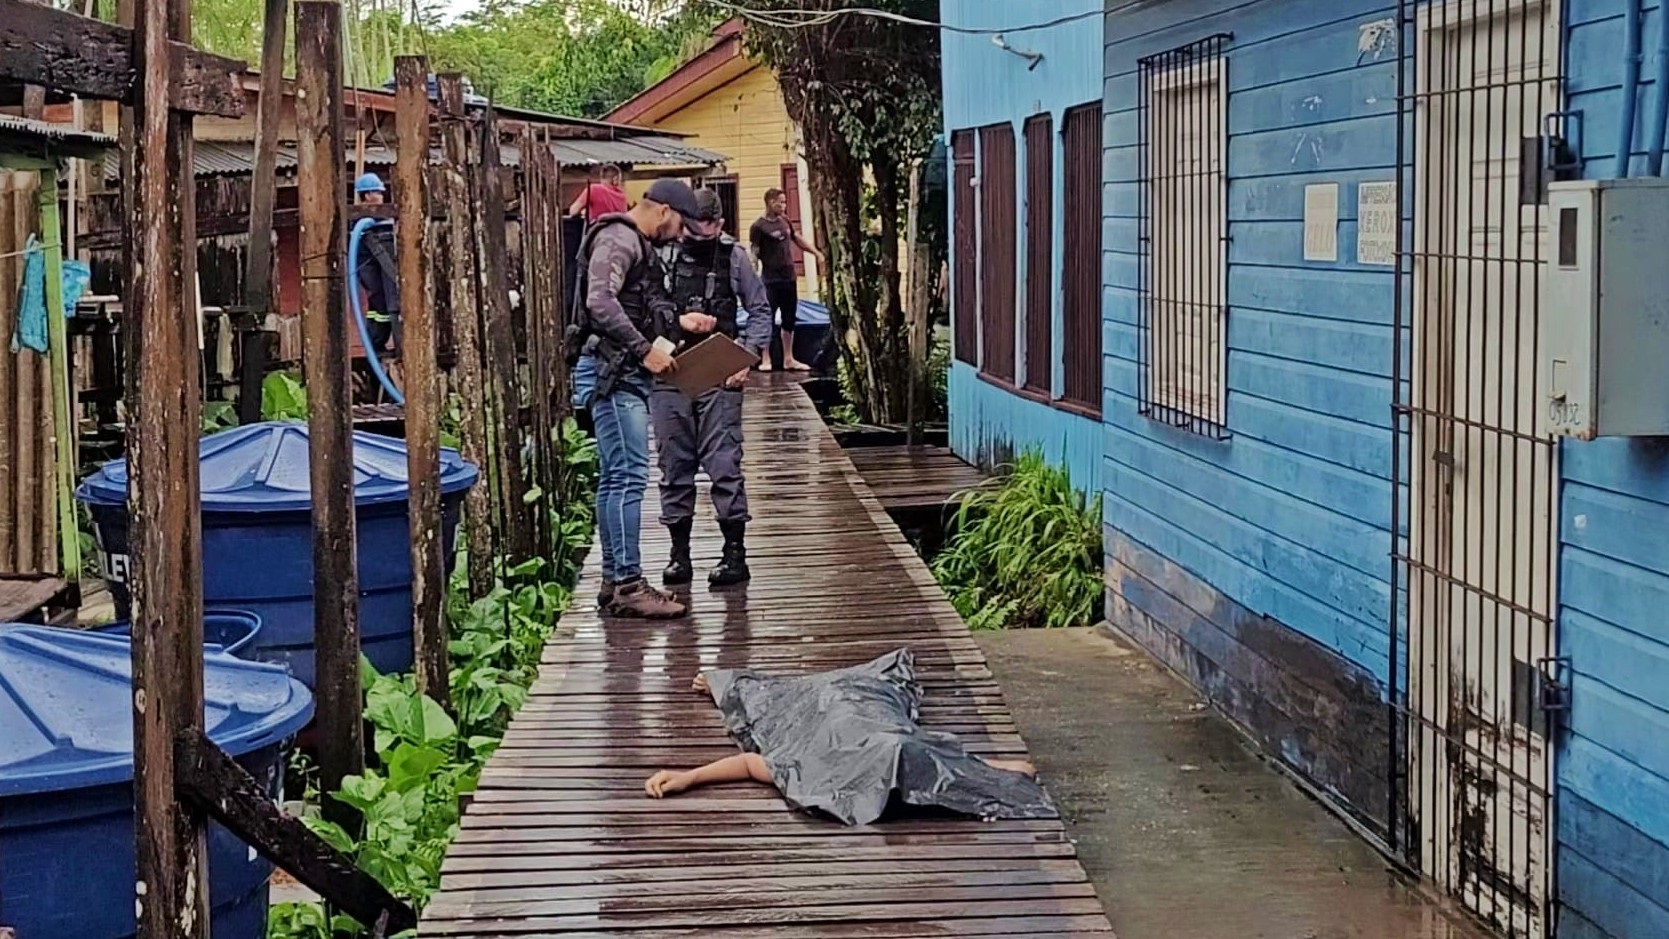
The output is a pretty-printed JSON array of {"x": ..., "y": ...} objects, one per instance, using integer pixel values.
[{"x": 705, "y": 365}]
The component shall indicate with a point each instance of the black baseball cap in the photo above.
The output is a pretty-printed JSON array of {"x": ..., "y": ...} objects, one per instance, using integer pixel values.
[{"x": 676, "y": 195}]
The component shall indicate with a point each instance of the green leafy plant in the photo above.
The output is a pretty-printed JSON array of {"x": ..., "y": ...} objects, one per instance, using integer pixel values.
[
  {"x": 283, "y": 398},
  {"x": 1027, "y": 553},
  {"x": 218, "y": 416},
  {"x": 428, "y": 758}
]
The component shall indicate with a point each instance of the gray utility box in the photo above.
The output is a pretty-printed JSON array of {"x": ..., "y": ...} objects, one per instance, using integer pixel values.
[{"x": 1605, "y": 358}]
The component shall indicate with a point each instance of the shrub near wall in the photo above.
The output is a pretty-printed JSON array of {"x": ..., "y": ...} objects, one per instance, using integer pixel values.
[{"x": 1025, "y": 554}]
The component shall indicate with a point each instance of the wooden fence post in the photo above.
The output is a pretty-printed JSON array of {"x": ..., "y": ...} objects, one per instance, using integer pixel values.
[
  {"x": 320, "y": 170},
  {"x": 502, "y": 374},
  {"x": 466, "y": 321},
  {"x": 417, "y": 311},
  {"x": 263, "y": 200},
  {"x": 164, "y": 511}
]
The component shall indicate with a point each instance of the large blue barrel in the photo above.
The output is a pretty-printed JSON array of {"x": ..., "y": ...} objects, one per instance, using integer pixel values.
[
  {"x": 66, "y": 781},
  {"x": 258, "y": 539}
]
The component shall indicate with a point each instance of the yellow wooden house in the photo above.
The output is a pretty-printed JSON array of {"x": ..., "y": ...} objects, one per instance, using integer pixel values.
[{"x": 724, "y": 101}]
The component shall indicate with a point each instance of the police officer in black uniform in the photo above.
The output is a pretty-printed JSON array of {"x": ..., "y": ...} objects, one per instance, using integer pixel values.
[{"x": 709, "y": 273}]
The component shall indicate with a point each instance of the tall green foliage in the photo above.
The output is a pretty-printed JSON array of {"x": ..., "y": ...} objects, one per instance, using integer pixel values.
[
  {"x": 865, "y": 94},
  {"x": 1027, "y": 553}
]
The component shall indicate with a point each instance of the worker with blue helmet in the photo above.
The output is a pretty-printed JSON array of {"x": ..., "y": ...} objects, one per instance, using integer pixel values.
[
  {"x": 377, "y": 273},
  {"x": 368, "y": 185}
]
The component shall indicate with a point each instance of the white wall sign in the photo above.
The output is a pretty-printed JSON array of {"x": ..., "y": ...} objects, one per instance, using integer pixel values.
[
  {"x": 1321, "y": 222},
  {"x": 1376, "y": 223}
]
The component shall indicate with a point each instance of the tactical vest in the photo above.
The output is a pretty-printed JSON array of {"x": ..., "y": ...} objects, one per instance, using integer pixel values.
[
  {"x": 700, "y": 280},
  {"x": 634, "y": 291}
]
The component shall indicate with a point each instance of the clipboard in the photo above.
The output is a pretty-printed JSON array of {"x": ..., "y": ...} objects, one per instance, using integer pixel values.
[{"x": 705, "y": 365}]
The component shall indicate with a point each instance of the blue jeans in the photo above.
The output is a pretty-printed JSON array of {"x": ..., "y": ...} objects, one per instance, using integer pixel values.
[{"x": 622, "y": 422}]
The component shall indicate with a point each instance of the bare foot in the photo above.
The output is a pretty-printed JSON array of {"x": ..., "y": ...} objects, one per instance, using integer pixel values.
[
  {"x": 665, "y": 783},
  {"x": 1023, "y": 767},
  {"x": 764, "y": 365},
  {"x": 700, "y": 684},
  {"x": 794, "y": 365}
]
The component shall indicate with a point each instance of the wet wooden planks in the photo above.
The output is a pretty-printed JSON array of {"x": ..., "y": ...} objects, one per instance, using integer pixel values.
[
  {"x": 920, "y": 477},
  {"x": 24, "y": 597},
  {"x": 560, "y": 841}
]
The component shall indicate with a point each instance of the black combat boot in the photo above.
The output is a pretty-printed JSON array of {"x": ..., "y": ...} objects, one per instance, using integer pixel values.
[
  {"x": 679, "y": 570},
  {"x": 733, "y": 566}
]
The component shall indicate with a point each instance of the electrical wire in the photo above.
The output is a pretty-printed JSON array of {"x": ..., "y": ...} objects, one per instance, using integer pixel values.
[{"x": 801, "y": 19}]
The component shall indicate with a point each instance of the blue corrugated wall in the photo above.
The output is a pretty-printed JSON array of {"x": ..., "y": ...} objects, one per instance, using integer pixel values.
[
  {"x": 1613, "y": 765},
  {"x": 984, "y": 85}
]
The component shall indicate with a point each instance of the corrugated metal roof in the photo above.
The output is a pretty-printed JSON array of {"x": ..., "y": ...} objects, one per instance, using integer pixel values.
[
  {"x": 216, "y": 158},
  {"x": 48, "y": 131},
  {"x": 236, "y": 158},
  {"x": 647, "y": 150}
]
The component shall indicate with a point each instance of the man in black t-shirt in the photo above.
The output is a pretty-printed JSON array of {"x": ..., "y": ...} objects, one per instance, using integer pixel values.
[{"x": 774, "y": 238}]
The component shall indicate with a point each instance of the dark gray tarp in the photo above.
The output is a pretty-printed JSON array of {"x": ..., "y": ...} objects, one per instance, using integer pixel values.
[{"x": 846, "y": 743}]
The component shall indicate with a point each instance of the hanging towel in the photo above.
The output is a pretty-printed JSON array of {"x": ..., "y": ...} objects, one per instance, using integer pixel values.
[{"x": 31, "y": 300}]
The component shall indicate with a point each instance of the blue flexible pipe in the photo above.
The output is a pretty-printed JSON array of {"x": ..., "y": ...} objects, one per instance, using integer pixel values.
[
  {"x": 1660, "y": 105},
  {"x": 359, "y": 229},
  {"x": 1631, "y": 88}
]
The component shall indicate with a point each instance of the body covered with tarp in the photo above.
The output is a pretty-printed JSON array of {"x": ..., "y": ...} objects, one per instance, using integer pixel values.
[{"x": 846, "y": 743}]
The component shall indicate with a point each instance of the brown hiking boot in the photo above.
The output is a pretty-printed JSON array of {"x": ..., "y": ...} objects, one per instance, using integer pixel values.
[
  {"x": 605, "y": 595},
  {"x": 638, "y": 600}
]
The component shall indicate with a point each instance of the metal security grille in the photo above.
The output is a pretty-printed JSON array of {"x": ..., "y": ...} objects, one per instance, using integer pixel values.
[
  {"x": 1040, "y": 253},
  {"x": 1182, "y": 284},
  {"x": 1475, "y": 678},
  {"x": 965, "y": 301},
  {"x": 998, "y": 259}
]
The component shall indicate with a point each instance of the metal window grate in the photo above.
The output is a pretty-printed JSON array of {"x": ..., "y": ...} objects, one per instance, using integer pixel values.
[
  {"x": 1474, "y": 478},
  {"x": 998, "y": 259},
  {"x": 1040, "y": 253},
  {"x": 1182, "y": 322},
  {"x": 965, "y": 301},
  {"x": 1081, "y": 276}
]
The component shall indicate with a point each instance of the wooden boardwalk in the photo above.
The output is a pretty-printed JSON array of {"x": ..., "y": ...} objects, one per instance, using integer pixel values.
[
  {"x": 922, "y": 477},
  {"x": 561, "y": 841}
]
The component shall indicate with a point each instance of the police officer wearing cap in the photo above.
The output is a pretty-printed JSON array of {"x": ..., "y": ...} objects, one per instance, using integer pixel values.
[
  {"x": 709, "y": 274},
  {"x": 621, "y": 310}
]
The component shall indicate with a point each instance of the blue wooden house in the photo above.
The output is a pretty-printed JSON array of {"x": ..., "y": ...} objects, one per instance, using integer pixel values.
[
  {"x": 1023, "y": 117},
  {"x": 1350, "y": 493}
]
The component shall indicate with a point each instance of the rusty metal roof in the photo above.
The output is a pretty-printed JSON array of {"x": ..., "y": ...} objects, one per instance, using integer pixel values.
[{"x": 216, "y": 158}]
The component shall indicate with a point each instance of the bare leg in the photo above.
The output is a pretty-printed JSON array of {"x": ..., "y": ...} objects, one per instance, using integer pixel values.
[
  {"x": 700, "y": 684},
  {"x": 739, "y": 768},
  {"x": 1023, "y": 767},
  {"x": 789, "y": 363}
]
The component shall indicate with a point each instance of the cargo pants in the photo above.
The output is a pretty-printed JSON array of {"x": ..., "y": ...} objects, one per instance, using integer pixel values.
[{"x": 703, "y": 433}]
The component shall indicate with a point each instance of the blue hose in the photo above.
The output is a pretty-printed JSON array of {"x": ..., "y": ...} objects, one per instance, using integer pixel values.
[
  {"x": 359, "y": 229},
  {"x": 1660, "y": 106},
  {"x": 1631, "y": 88}
]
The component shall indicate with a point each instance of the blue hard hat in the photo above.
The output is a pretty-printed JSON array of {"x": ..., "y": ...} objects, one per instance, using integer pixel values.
[{"x": 370, "y": 182}]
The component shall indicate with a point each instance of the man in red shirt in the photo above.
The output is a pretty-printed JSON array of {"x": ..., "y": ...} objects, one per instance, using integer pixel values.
[{"x": 601, "y": 198}]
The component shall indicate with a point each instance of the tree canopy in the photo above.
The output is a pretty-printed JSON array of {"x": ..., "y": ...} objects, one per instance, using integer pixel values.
[{"x": 576, "y": 57}]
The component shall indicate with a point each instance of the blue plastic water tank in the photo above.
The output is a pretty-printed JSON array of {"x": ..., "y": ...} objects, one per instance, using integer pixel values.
[
  {"x": 66, "y": 781},
  {"x": 258, "y": 538}
]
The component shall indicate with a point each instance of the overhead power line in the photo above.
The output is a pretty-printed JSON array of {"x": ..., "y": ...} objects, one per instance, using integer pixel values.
[{"x": 802, "y": 18}]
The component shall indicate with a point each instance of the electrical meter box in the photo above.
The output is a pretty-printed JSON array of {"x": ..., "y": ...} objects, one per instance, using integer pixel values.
[{"x": 1605, "y": 310}]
